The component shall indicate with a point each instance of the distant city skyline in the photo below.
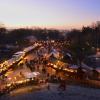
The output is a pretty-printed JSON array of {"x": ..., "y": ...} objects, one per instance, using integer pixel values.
[{"x": 59, "y": 14}]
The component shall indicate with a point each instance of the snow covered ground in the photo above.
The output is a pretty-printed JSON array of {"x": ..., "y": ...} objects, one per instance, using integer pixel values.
[{"x": 71, "y": 93}]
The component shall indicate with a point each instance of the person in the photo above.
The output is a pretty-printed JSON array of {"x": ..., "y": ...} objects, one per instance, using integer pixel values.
[
  {"x": 47, "y": 84},
  {"x": 62, "y": 86}
]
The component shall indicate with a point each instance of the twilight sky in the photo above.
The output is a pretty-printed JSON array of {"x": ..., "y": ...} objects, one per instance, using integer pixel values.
[{"x": 62, "y": 14}]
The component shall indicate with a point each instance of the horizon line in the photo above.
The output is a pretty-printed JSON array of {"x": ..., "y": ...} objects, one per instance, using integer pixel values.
[{"x": 64, "y": 27}]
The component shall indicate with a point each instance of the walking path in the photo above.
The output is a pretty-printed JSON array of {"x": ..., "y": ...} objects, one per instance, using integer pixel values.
[{"x": 71, "y": 93}]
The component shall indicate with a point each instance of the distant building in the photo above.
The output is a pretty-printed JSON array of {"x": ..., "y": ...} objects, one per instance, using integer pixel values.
[{"x": 31, "y": 38}]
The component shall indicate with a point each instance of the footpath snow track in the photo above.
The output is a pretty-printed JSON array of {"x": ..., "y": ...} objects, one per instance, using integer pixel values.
[{"x": 71, "y": 93}]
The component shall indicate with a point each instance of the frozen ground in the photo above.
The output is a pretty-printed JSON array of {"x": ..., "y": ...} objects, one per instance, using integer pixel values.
[{"x": 71, "y": 93}]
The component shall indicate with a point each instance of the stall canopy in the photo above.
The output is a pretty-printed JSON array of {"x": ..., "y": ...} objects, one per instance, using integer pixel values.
[{"x": 31, "y": 75}]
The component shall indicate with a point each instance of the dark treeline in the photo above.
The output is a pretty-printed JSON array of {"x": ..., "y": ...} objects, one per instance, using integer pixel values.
[
  {"x": 19, "y": 35},
  {"x": 89, "y": 36}
]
